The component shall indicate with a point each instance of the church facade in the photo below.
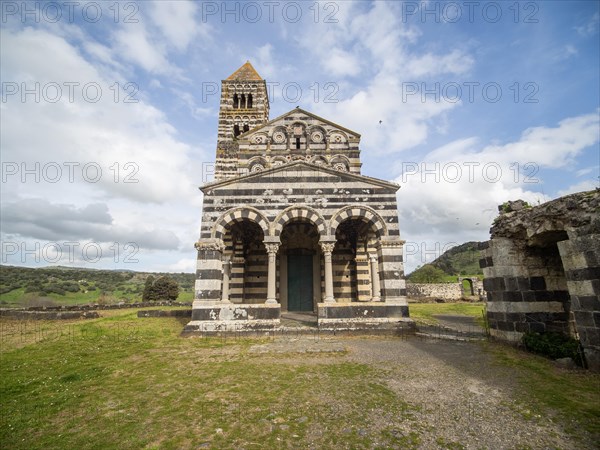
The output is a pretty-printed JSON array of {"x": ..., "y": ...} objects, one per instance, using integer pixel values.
[{"x": 291, "y": 224}]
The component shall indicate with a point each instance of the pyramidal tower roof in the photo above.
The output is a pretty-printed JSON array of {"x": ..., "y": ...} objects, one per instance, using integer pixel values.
[{"x": 246, "y": 72}]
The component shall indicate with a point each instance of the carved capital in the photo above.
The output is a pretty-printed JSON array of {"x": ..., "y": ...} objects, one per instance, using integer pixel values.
[
  {"x": 272, "y": 248},
  {"x": 389, "y": 243},
  {"x": 213, "y": 244},
  {"x": 327, "y": 247}
]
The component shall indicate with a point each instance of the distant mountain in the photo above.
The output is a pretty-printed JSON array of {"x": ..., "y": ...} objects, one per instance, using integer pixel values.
[{"x": 460, "y": 260}]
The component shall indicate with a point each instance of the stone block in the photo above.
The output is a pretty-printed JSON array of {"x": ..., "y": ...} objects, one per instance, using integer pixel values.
[
  {"x": 229, "y": 312},
  {"x": 595, "y": 287},
  {"x": 584, "y": 318},
  {"x": 528, "y": 296},
  {"x": 506, "y": 326},
  {"x": 522, "y": 327},
  {"x": 582, "y": 288},
  {"x": 512, "y": 296},
  {"x": 537, "y": 283},
  {"x": 511, "y": 283},
  {"x": 537, "y": 327},
  {"x": 589, "y": 303},
  {"x": 592, "y": 336}
]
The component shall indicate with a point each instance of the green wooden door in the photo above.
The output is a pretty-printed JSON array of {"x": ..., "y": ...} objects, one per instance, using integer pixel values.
[{"x": 300, "y": 283}]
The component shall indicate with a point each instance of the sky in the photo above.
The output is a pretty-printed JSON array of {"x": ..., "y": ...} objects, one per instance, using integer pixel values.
[{"x": 108, "y": 115}]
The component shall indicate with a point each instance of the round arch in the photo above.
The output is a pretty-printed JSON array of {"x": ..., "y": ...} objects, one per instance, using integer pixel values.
[
  {"x": 237, "y": 215},
  {"x": 355, "y": 212},
  {"x": 299, "y": 212},
  {"x": 340, "y": 160},
  {"x": 257, "y": 163}
]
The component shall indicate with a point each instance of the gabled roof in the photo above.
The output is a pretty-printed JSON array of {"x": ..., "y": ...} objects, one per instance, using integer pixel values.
[
  {"x": 245, "y": 73},
  {"x": 296, "y": 110},
  {"x": 286, "y": 167}
]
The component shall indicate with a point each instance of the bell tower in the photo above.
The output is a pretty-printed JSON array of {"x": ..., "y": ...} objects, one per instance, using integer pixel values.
[{"x": 244, "y": 105}]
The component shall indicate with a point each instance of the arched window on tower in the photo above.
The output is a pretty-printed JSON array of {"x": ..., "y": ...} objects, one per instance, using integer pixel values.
[
  {"x": 297, "y": 143},
  {"x": 249, "y": 101},
  {"x": 243, "y": 101},
  {"x": 236, "y": 130},
  {"x": 236, "y": 101},
  {"x": 246, "y": 128}
]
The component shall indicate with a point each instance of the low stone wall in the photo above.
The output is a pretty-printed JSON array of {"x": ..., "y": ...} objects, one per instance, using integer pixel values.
[
  {"x": 232, "y": 317},
  {"x": 442, "y": 291},
  {"x": 19, "y": 314},
  {"x": 94, "y": 307},
  {"x": 362, "y": 315},
  {"x": 165, "y": 313}
]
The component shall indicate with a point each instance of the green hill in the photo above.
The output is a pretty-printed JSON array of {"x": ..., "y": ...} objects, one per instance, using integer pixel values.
[
  {"x": 58, "y": 285},
  {"x": 461, "y": 260}
]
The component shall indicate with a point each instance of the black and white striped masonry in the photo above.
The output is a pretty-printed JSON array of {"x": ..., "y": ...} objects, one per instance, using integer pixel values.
[{"x": 290, "y": 223}]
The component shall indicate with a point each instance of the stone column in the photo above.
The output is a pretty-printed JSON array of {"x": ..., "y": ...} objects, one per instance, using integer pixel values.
[
  {"x": 271, "y": 282},
  {"x": 225, "y": 285},
  {"x": 392, "y": 283},
  {"x": 209, "y": 266},
  {"x": 375, "y": 287},
  {"x": 327, "y": 248}
]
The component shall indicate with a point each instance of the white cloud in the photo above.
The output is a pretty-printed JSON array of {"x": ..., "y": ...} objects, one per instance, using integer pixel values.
[
  {"x": 135, "y": 45},
  {"x": 103, "y": 132},
  {"x": 41, "y": 219},
  {"x": 591, "y": 27},
  {"x": 429, "y": 65},
  {"x": 177, "y": 22},
  {"x": 142, "y": 162},
  {"x": 382, "y": 54},
  {"x": 565, "y": 52},
  {"x": 585, "y": 185},
  {"x": 451, "y": 196}
]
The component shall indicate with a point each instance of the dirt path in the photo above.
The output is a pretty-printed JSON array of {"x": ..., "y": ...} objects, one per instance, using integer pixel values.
[{"x": 462, "y": 397}]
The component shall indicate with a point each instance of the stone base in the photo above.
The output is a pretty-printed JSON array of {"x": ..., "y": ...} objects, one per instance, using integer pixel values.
[
  {"x": 217, "y": 317},
  {"x": 592, "y": 357},
  {"x": 360, "y": 316}
]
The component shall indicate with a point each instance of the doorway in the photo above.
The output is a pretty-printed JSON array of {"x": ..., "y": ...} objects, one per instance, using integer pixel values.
[{"x": 300, "y": 282}]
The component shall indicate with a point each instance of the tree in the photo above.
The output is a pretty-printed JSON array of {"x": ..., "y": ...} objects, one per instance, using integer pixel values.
[
  {"x": 427, "y": 274},
  {"x": 148, "y": 289},
  {"x": 163, "y": 288}
]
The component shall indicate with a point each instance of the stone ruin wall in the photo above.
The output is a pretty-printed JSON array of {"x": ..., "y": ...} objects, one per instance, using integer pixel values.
[
  {"x": 542, "y": 271},
  {"x": 443, "y": 291}
]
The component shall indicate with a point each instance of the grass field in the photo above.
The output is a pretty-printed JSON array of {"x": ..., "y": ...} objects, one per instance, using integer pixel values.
[
  {"x": 424, "y": 312},
  {"x": 120, "y": 382}
]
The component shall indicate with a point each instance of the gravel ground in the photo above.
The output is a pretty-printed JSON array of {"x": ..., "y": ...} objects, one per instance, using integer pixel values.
[{"x": 462, "y": 399}]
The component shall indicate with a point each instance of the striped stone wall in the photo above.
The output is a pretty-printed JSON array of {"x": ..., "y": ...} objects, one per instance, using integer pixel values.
[
  {"x": 542, "y": 271},
  {"x": 267, "y": 198},
  {"x": 298, "y": 173},
  {"x": 581, "y": 260}
]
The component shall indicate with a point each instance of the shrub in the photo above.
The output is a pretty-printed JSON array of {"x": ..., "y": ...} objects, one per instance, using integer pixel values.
[
  {"x": 163, "y": 288},
  {"x": 427, "y": 274},
  {"x": 70, "y": 286},
  {"x": 54, "y": 288},
  {"x": 553, "y": 345}
]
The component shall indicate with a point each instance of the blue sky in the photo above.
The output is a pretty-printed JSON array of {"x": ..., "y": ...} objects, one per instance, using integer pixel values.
[{"x": 479, "y": 103}]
